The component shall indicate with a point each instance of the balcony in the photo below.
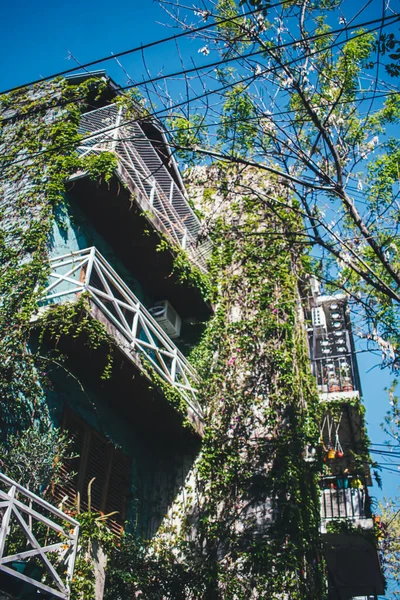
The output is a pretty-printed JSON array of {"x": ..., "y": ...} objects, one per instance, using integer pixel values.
[
  {"x": 349, "y": 543},
  {"x": 143, "y": 170},
  {"x": 137, "y": 335},
  {"x": 336, "y": 377},
  {"x": 38, "y": 544},
  {"x": 351, "y": 503}
]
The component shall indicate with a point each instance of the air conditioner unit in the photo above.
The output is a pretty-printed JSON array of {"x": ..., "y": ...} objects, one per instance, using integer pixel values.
[
  {"x": 167, "y": 318},
  {"x": 318, "y": 317}
]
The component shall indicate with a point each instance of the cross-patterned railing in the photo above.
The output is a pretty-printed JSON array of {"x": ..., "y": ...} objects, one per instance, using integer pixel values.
[
  {"x": 88, "y": 271},
  {"x": 140, "y": 167},
  {"x": 38, "y": 542}
]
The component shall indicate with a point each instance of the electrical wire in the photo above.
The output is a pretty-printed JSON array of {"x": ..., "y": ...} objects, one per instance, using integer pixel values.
[
  {"x": 224, "y": 61},
  {"x": 387, "y": 445},
  {"x": 278, "y": 47},
  {"x": 178, "y": 105},
  {"x": 140, "y": 48},
  {"x": 175, "y": 37}
]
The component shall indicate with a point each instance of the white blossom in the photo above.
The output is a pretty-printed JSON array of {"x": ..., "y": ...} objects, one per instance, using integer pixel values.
[
  {"x": 287, "y": 82},
  {"x": 204, "y": 50},
  {"x": 202, "y": 13},
  {"x": 266, "y": 125}
]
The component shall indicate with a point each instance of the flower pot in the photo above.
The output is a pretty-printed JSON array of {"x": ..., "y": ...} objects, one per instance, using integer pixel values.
[{"x": 347, "y": 387}]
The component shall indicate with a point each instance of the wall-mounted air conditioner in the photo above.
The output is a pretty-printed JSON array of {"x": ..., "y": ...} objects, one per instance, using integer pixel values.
[{"x": 167, "y": 317}]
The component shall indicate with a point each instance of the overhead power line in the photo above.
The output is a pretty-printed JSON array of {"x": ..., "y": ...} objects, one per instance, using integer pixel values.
[
  {"x": 139, "y": 48},
  {"x": 197, "y": 97},
  {"x": 391, "y": 18},
  {"x": 282, "y": 113},
  {"x": 311, "y": 38},
  {"x": 387, "y": 445}
]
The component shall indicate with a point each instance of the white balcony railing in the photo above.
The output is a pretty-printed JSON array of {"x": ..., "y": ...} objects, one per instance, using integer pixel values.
[
  {"x": 38, "y": 542},
  {"x": 140, "y": 167},
  {"x": 88, "y": 271}
]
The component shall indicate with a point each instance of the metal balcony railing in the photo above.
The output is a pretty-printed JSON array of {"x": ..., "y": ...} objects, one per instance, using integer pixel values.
[
  {"x": 38, "y": 542},
  {"x": 341, "y": 501},
  {"x": 88, "y": 271},
  {"x": 140, "y": 167},
  {"x": 335, "y": 374}
]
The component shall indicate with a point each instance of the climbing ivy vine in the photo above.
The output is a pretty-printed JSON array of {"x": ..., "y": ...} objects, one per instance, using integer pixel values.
[
  {"x": 247, "y": 523},
  {"x": 38, "y": 140}
]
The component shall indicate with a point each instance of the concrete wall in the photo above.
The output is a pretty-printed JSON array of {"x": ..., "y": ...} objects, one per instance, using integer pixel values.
[
  {"x": 156, "y": 472},
  {"x": 73, "y": 231}
]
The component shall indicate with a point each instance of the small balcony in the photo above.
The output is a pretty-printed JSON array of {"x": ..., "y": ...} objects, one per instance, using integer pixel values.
[
  {"x": 147, "y": 169},
  {"x": 336, "y": 377},
  {"x": 38, "y": 545},
  {"x": 350, "y": 546},
  {"x": 349, "y": 503},
  {"x": 136, "y": 333}
]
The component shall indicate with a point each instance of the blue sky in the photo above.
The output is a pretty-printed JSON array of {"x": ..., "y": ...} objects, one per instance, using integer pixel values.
[
  {"x": 34, "y": 42},
  {"x": 36, "y": 38}
]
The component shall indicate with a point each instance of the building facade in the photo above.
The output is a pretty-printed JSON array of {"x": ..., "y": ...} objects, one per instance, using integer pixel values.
[{"x": 211, "y": 462}]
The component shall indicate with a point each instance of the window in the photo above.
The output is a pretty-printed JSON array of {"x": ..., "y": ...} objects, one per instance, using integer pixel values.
[{"x": 94, "y": 457}]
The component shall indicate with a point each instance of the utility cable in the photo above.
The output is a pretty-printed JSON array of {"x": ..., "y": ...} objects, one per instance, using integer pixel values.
[
  {"x": 278, "y": 47},
  {"x": 185, "y": 102},
  {"x": 139, "y": 48},
  {"x": 393, "y": 518}
]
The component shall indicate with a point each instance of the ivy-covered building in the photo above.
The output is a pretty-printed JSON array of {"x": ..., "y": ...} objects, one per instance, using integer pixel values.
[{"x": 156, "y": 383}]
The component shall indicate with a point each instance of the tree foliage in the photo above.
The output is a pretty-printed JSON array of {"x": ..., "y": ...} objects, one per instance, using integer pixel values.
[
  {"x": 389, "y": 527},
  {"x": 35, "y": 457},
  {"x": 390, "y": 541},
  {"x": 306, "y": 90}
]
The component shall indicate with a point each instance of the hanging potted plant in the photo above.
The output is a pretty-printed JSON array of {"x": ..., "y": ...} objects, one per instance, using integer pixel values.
[{"x": 331, "y": 453}]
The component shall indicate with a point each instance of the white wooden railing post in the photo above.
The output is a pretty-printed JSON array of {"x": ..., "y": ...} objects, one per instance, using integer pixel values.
[
  {"x": 92, "y": 256},
  {"x": 152, "y": 193},
  {"x": 116, "y": 129},
  {"x": 72, "y": 558},
  {"x": 135, "y": 322},
  {"x": 184, "y": 239},
  {"x": 173, "y": 365},
  {"x": 5, "y": 522}
]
